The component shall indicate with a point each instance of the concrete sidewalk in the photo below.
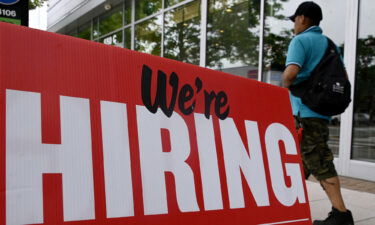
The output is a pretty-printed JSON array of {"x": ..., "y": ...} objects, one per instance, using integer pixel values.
[{"x": 362, "y": 204}]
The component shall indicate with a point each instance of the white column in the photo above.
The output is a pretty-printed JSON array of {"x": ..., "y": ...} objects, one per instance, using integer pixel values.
[
  {"x": 203, "y": 37},
  {"x": 350, "y": 54}
]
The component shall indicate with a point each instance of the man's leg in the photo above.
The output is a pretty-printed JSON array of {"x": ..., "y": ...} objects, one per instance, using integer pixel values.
[
  {"x": 319, "y": 160},
  {"x": 332, "y": 188},
  {"x": 339, "y": 214}
]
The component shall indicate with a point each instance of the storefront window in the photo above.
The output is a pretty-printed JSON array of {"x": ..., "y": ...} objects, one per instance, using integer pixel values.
[
  {"x": 111, "y": 20},
  {"x": 84, "y": 31},
  {"x": 128, "y": 12},
  {"x": 364, "y": 96},
  {"x": 128, "y": 38},
  {"x": 182, "y": 33},
  {"x": 113, "y": 39},
  {"x": 95, "y": 28},
  {"x": 278, "y": 32},
  {"x": 72, "y": 33},
  {"x": 233, "y": 36},
  {"x": 144, "y": 8},
  {"x": 169, "y": 3},
  {"x": 148, "y": 36}
]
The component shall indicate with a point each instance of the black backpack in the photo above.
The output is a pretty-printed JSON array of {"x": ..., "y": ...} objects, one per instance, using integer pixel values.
[{"x": 327, "y": 90}]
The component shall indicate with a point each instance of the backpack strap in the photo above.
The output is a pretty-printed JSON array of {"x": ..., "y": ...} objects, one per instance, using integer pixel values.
[
  {"x": 299, "y": 89},
  {"x": 332, "y": 46}
]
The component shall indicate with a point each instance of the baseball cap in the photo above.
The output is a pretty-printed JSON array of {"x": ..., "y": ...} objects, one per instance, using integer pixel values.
[{"x": 309, "y": 9}]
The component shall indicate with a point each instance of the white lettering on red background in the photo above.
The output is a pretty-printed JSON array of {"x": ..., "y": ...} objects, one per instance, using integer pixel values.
[{"x": 29, "y": 159}]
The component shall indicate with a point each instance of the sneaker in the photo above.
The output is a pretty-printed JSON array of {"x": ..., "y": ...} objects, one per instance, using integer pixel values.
[{"x": 336, "y": 217}]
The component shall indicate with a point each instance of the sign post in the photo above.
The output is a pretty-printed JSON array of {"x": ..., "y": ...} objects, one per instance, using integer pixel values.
[
  {"x": 15, "y": 12},
  {"x": 99, "y": 135}
]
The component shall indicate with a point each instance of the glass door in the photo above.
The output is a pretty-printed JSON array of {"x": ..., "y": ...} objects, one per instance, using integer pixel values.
[{"x": 363, "y": 143}]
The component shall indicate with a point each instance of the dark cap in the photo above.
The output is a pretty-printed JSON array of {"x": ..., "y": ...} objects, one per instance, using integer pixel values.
[{"x": 310, "y": 10}]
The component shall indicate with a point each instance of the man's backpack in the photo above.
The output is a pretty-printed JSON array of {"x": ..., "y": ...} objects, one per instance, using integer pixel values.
[{"x": 327, "y": 90}]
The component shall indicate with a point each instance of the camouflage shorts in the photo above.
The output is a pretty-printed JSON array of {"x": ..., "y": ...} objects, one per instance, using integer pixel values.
[{"x": 317, "y": 158}]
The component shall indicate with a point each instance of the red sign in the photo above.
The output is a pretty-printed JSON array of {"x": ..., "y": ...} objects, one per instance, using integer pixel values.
[{"x": 99, "y": 135}]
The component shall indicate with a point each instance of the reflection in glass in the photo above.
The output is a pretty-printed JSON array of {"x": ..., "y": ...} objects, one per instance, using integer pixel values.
[
  {"x": 114, "y": 39},
  {"x": 128, "y": 38},
  {"x": 128, "y": 12},
  {"x": 278, "y": 32},
  {"x": 169, "y": 3},
  {"x": 72, "y": 33},
  {"x": 182, "y": 33},
  {"x": 233, "y": 36},
  {"x": 148, "y": 36},
  {"x": 84, "y": 31},
  {"x": 95, "y": 28},
  {"x": 144, "y": 8},
  {"x": 364, "y": 96},
  {"x": 111, "y": 21}
]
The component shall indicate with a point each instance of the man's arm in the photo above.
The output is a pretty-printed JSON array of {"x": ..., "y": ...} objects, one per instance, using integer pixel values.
[{"x": 290, "y": 74}]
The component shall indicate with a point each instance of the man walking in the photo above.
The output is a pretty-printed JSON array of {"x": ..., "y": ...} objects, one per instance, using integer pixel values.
[{"x": 304, "y": 53}]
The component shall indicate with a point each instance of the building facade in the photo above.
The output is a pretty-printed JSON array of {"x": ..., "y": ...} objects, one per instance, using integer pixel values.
[{"x": 248, "y": 38}]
